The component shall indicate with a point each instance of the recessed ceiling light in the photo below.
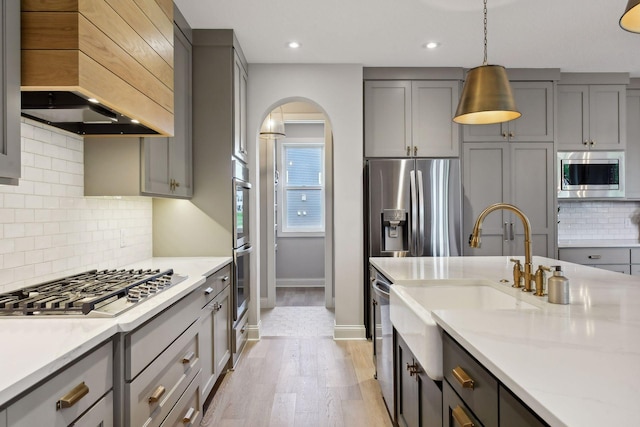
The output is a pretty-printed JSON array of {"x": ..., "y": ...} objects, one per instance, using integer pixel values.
[
  {"x": 95, "y": 101},
  {"x": 432, "y": 45},
  {"x": 293, "y": 45}
]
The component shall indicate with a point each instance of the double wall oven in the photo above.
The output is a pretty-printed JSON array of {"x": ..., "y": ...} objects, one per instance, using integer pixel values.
[{"x": 242, "y": 248}]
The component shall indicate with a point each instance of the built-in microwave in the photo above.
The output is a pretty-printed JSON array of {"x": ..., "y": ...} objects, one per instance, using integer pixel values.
[{"x": 590, "y": 174}]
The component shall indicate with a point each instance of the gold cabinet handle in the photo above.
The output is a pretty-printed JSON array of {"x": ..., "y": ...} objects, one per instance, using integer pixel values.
[
  {"x": 408, "y": 151},
  {"x": 592, "y": 143},
  {"x": 585, "y": 142},
  {"x": 461, "y": 376},
  {"x": 188, "y": 417},
  {"x": 461, "y": 417},
  {"x": 415, "y": 151},
  {"x": 187, "y": 358},
  {"x": 157, "y": 394},
  {"x": 595, "y": 256},
  {"x": 71, "y": 398}
]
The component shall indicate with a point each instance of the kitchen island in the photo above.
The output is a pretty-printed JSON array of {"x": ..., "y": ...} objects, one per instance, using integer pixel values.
[
  {"x": 576, "y": 364},
  {"x": 35, "y": 348}
]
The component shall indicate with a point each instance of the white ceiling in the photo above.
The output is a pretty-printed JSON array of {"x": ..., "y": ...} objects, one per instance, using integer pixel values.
[{"x": 573, "y": 35}]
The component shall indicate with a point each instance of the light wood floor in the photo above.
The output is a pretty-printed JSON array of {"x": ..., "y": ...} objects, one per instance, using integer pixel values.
[
  {"x": 299, "y": 296},
  {"x": 300, "y": 381}
]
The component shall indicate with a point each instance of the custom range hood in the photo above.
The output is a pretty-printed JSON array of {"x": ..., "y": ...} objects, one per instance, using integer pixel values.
[{"x": 98, "y": 67}]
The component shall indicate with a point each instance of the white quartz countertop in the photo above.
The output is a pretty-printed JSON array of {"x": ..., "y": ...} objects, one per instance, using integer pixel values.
[
  {"x": 33, "y": 348},
  {"x": 599, "y": 243},
  {"x": 574, "y": 365}
]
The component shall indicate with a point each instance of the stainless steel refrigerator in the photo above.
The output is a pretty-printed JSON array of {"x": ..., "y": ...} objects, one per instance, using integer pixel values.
[{"x": 413, "y": 208}]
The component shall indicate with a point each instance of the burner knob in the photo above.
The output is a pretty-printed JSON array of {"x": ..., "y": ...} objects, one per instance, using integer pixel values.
[
  {"x": 152, "y": 287},
  {"x": 133, "y": 296},
  {"x": 144, "y": 290}
]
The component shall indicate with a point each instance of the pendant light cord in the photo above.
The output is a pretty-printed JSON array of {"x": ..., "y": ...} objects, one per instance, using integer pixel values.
[{"x": 485, "y": 33}]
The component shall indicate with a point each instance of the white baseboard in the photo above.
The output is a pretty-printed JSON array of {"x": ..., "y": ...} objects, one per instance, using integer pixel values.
[
  {"x": 253, "y": 331},
  {"x": 264, "y": 303},
  {"x": 349, "y": 332},
  {"x": 300, "y": 283}
]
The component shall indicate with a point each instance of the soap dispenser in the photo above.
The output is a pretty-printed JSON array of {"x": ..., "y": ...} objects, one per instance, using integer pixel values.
[{"x": 558, "y": 287}]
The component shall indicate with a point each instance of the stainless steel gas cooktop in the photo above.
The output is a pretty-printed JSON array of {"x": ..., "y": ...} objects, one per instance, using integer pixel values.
[{"x": 94, "y": 293}]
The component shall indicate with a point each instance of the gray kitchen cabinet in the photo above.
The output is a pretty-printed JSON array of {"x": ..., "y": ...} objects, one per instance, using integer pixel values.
[
  {"x": 410, "y": 118},
  {"x": 10, "y": 151},
  {"x": 591, "y": 117},
  {"x": 612, "y": 259},
  {"x": 215, "y": 328},
  {"x": 419, "y": 398},
  {"x": 472, "y": 396},
  {"x": 149, "y": 166},
  {"x": 166, "y": 170},
  {"x": 517, "y": 173},
  {"x": 632, "y": 155},
  {"x": 239, "y": 108},
  {"x": 3, "y": 418},
  {"x": 61, "y": 400},
  {"x": 534, "y": 99}
]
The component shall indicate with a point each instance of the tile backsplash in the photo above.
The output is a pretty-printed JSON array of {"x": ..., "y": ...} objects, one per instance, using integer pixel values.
[
  {"x": 48, "y": 229},
  {"x": 598, "y": 220}
]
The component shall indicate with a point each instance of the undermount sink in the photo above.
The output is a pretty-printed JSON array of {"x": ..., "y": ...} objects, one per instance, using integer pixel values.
[{"x": 412, "y": 305}]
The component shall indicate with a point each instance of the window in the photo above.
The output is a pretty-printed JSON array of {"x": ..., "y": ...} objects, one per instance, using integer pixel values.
[{"x": 302, "y": 190}]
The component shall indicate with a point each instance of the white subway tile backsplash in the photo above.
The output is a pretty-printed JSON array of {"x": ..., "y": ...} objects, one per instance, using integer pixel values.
[
  {"x": 598, "y": 220},
  {"x": 48, "y": 229}
]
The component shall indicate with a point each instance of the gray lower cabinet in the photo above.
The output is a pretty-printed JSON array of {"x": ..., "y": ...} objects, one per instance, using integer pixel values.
[
  {"x": 472, "y": 396},
  {"x": 534, "y": 99},
  {"x": 3, "y": 418},
  {"x": 215, "y": 328},
  {"x": 410, "y": 118},
  {"x": 591, "y": 117},
  {"x": 10, "y": 154},
  {"x": 517, "y": 173},
  {"x": 633, "y": 145},
  {"x": 619, "y": 260},
  {"x": 419, "y": 398}
]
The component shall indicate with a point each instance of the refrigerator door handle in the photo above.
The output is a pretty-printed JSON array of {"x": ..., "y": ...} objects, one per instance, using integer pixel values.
[
  {"x": 414, "y": 213},
  {"x": 421, "y": 217}
]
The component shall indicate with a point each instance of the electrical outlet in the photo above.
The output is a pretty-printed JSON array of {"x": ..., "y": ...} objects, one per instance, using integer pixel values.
[{"x": 123, "y": 238}]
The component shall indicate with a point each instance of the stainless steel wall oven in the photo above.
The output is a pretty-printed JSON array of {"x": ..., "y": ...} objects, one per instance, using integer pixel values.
[{"x": 241, "y": 239}]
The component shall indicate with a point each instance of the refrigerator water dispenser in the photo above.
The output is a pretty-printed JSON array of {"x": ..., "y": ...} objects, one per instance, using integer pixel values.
[{"x": 395, "y": 233}]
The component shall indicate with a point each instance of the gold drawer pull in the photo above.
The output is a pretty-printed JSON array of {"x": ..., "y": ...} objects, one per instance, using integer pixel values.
[
  {"x": 157, "y": 394},
  {"x": 595, "y": 256},
  {"x": 188, "y": 417},
  {"x": 71, "y": 398},
  {"x": 187, "y": 358},
  {"x": 461, "y": 376},
  {"x": 461, "y": 417}
]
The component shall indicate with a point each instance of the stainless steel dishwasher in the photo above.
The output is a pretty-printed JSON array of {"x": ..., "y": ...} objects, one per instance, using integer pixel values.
[{"x": 382, "y": 334}]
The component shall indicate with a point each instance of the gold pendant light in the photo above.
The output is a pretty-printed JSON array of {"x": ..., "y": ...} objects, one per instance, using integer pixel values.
[
  {"x": 273, "y": 125},
  {"x": 486, "y": 95},
  {"x": 630, "y": 19}
]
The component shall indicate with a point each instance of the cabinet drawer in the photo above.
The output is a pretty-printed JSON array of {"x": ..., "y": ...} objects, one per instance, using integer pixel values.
[
  {"x": 635, "y": 270},
  {"x": 101, "y": 414},
  {"x": 39, "y": 407},
  {"x": 154, "y": 392},
  {"x": 455, "y": 411},
  {"x": 188, "y": 410},
  {"x": 635, "y": 256},
  {"x": 482, "y": 399},
  {"x": 240, "y": 334},
  {"x": 618, "y": 268},
  {"x": 515, "y": 413},
  {"x": 595, "y": 255},
  {"x": 214, "y": 284},
  {"x": 147, "y": 342}
]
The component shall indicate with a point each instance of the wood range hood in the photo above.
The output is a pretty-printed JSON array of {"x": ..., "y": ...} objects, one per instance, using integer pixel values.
[{"x": 116, "y": 52}]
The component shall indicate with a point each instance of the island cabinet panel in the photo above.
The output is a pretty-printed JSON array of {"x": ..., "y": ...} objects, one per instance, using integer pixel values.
[
  {"x": 10, "y": 152},
  {"x": 635, "y": 256},
  {"x": 119, "y": 52},
  {"x": 68, "y": 394},
  {"x": 419, "y": 398},
  {"x": 632, "y": 153},
  {"x": 454, "y": 412},
  {"x": 517, "y": 173},
  {"x": 534, "y": 99},
  {"x": 3, "y": 418},
  {"x": 515, "y": 413},
  {"x": 405, "y": 118},
  {"x": 591, "y": 117}
]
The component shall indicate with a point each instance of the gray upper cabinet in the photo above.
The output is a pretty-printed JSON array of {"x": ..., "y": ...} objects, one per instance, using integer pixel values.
[
  {"x": 10, "y": 86},
  {"x": 521, "y": 174},
  {"x": 239, "y": 109},
  {"x": 633, "y": 144},
  {"x": 534, "y": 99},
  {"x": 167, "y": 161},
  {"x": 591, "y": 117},
  {"x": 410, "y": 118}
]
